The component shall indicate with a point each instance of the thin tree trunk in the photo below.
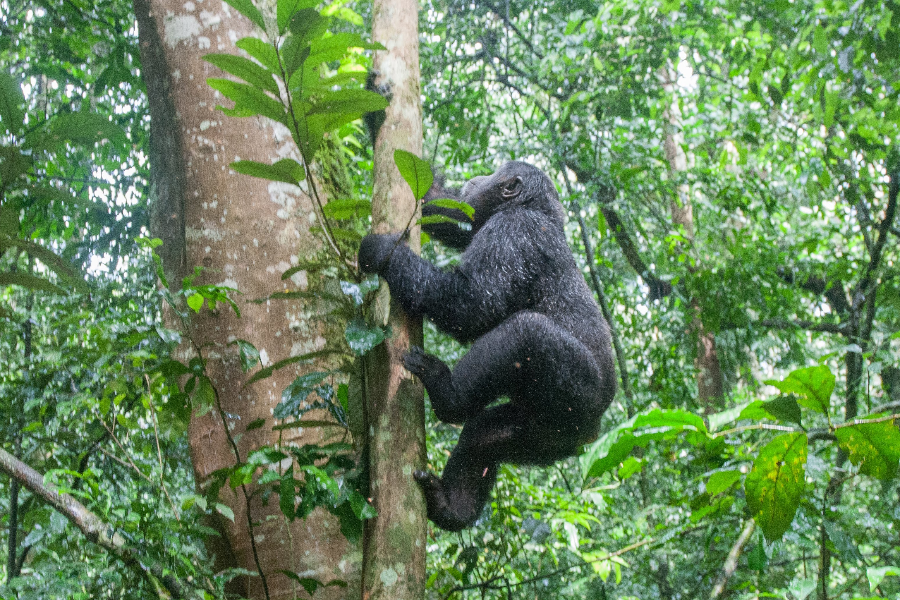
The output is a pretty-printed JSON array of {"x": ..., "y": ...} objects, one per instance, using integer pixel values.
[
  {"x": 244, "y": 232},
  {"x": 394, "y": 547},
  {"x": 710, "y": 383}
]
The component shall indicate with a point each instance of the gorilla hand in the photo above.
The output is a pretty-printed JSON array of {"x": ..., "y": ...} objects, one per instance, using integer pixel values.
[{"x": 375, "y": 252}]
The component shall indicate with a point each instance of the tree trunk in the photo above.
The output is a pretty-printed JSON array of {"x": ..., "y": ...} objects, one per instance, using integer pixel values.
[
  {"x": 710, "y": 384},
  {"x": 394, "y": 548},
  {"x": 244, "y": 232}
]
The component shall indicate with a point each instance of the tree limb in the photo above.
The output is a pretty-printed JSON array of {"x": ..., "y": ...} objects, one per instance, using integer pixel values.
[
  {"x": 838, "y": 328},
  {"x": 730, "y": 565},
  {"x": 93, "y": 527},
  {"x": 658, "y": 287}
]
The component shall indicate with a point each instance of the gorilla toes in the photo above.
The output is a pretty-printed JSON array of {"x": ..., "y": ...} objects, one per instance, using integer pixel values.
[{"x": 425, "y": 366}]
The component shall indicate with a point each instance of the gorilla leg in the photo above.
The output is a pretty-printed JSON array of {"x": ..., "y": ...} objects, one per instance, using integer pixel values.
[
  {"x": 455, "y": 499},
  {"x": 555, "y": 389},
  {"x": 529, "y": 358}
]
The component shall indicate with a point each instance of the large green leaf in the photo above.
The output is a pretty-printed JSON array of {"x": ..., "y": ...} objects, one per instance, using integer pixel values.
[
  {"x": 285, "y": 170},
  {"x": 352, "y": 102},
  {"x": 248, "y": 98},
  {"x": 813, "y": 384},
  {"x": 11, "y": 100},
  {"x": 613, "y": 447},
  {"x": 246, "y": 8},
  {"x": 455, "y": 204},
  {"x": 261, "y": 51},
  {"x": 244, "y": 68},
  {"x": 414, "y": 170},
  {"x": 347, "y": 209},
  {"x": 288, "y": 8},
  {"x": 775, "y": 485},
  {"x": 874, "y": 447},
  {"x": 334, "y": 47},
  {"x": 307, "y": 25}
]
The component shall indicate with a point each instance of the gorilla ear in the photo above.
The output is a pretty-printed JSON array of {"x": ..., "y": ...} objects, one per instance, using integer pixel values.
[{"x": 512, "y": 187}]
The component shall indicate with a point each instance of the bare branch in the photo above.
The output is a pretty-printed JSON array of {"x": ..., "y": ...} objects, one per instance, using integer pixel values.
[
  {"x": 731, "y": 562},
  {"x": 838, "y": 328}
]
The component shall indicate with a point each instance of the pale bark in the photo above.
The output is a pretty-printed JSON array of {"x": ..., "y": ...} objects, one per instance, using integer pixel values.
[
  {"x": 245, "y": 232},
  {"x": 394, "y": 553},
  {"x": 710, "y": 384}
]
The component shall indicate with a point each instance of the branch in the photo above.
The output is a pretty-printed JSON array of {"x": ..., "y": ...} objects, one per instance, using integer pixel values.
[
  {"x": 658, "y": 287},
  {"x": 838, "y": 328},
  {"x": 730, "y": 565},
  {"x": 93, "y": 528}
]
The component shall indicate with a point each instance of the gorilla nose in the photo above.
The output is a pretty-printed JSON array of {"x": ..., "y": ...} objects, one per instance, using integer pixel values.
[{"x": 472, "y": 185}]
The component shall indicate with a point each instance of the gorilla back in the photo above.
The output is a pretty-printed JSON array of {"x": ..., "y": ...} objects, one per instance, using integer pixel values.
[{"x": 538, "y": 337}]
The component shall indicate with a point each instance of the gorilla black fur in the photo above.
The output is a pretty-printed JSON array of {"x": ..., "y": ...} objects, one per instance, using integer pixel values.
[{"x": 539, "y": 338}]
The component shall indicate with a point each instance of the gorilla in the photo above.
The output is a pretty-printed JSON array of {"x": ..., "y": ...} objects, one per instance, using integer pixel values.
[{"x": 538, "y": 337}]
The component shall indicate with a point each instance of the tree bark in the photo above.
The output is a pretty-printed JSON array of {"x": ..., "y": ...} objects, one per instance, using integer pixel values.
[
  {"x": 394, "y": 547},
  {"x": 244, "y": 232},
  {"x": 710, "y": 383}
]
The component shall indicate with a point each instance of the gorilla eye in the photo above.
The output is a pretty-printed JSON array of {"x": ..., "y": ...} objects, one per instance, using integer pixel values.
[{"x": 512, "y": 188}]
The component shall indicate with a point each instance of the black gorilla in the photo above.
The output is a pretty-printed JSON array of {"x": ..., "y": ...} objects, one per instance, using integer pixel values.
[{"x": 538, "y": 335}]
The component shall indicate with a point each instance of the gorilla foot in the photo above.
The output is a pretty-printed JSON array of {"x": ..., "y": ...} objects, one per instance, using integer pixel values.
[
  {"x": 427, "y": 367},
  {"x": 439, "y": 510}
]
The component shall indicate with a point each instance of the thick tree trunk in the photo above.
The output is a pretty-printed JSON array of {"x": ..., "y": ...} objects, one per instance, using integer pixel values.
[
  {"x": 394, "y": 553},
  {"x": 245, "y": 232},
  {"x": 710, "y": 384}
]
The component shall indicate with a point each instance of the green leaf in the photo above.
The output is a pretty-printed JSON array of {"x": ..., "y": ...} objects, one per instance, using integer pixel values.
[
  {"x": 12, "y": 116},
  {"x": 347, "y": 209},
  {"x": 415, "y": 171},
  {"x": 248, "y": 100},
  {"x": 813, "y": 384},
  {"x": 246, "y": 8},
  {"x": 81, "y": 128},
  {"x": 873, "y": 447},
  {"x": 293, "y": 395},
  {"x": 261, "y": 51},
  {"x": 285, "y": 170},
  {"x": 244, "y": 68},
  {"x": 195, "y": 302},
  {"x": 225, "y": 511},
  {"x": 434, "y": 219},
  {"x": 286, "y": 491},
  {"x": 308, "y": 24},
  {"x": 288, "y": 8},
  {"x": 757, "y": 559},
  {"x": 255, "y": 424},
  {"x": 351, "y": 102},
  {"x": 775, "y": 485},
  {"x": 333, "y": 47},
  {"x": 361, "y": 337},
  {"x": 876, "y": 574},
  {"x": 248, "y": 354},
  {"x": 721, "y": 481},
  {"x": 294, "y": 53},
  {"x": 783, "y": 408},
  {"x": 468, "y": 209},
  {"x": 30, "y": 282}
]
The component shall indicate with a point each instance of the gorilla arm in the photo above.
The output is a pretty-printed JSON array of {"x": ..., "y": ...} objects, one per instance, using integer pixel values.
[{"x": 495, "y": 278}]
